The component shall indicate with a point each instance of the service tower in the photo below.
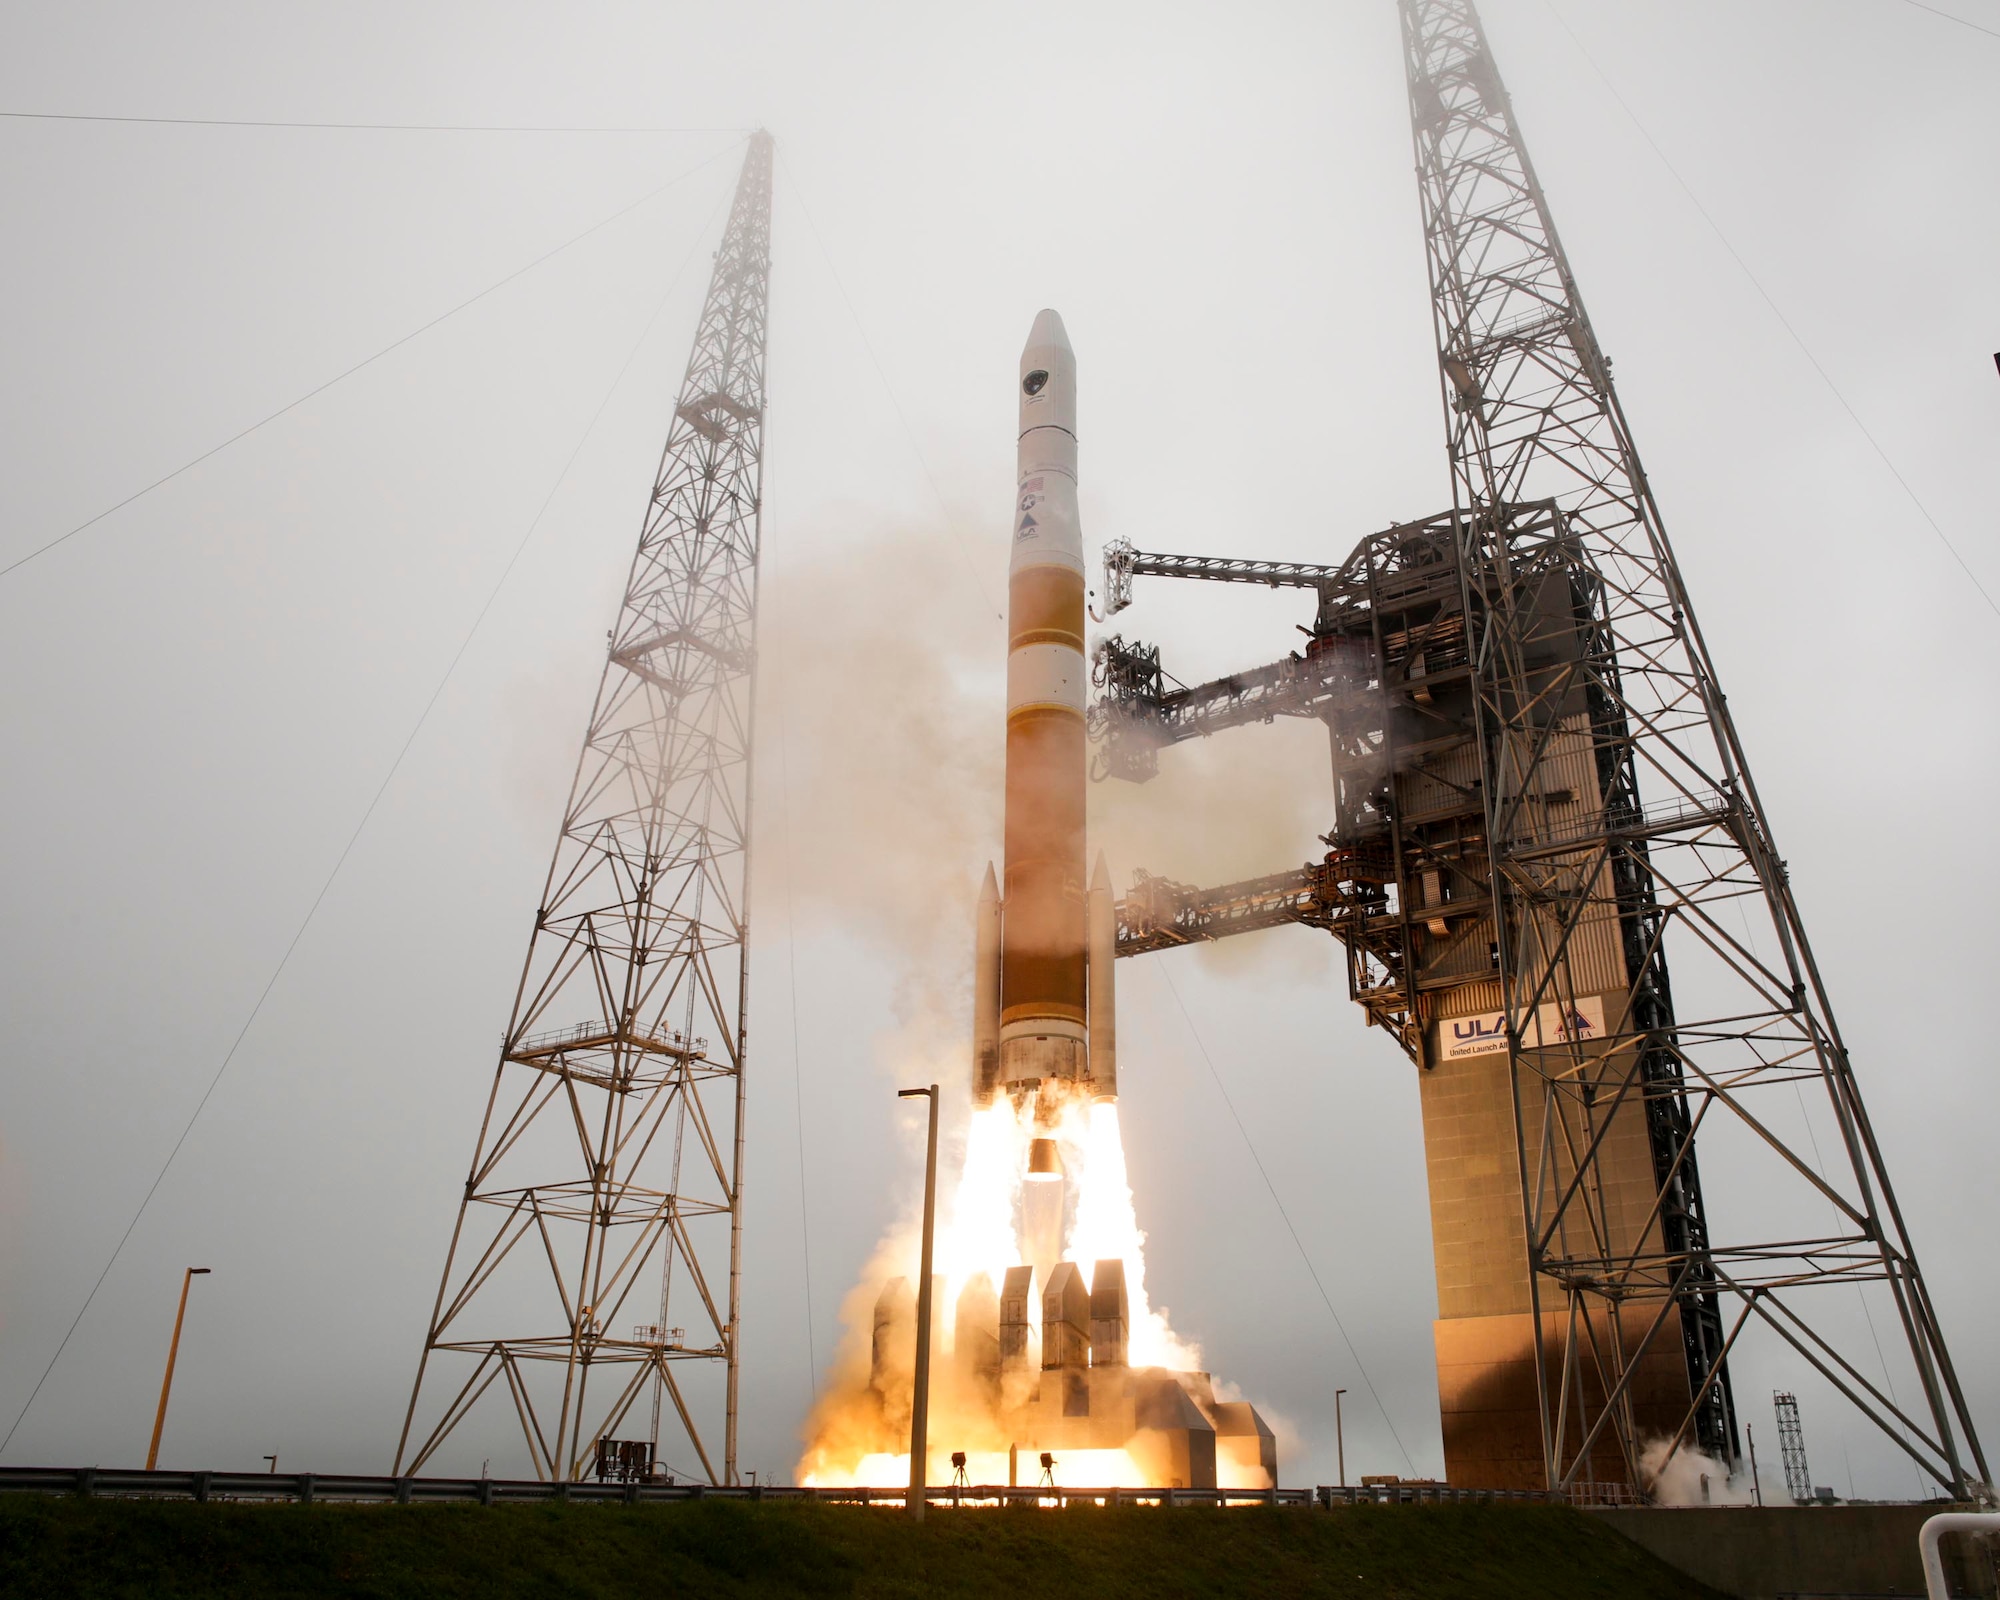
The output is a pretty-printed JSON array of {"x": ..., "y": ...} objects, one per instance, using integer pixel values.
[{"x": 1540, "y": 803}]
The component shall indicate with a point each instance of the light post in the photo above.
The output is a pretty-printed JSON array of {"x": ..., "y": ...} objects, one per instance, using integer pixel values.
[
  {"x": 920, "y": 1398},
  {"x": 173, "y": 1351},
  {"x": 1339, "y": 1438}
]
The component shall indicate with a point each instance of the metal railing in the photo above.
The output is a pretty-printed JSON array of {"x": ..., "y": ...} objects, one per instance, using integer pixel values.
[
  {"x": 1428, "y": 1494},
  {"x": 315, "y": 1488},
  {"x": 668, "y": 1042}
]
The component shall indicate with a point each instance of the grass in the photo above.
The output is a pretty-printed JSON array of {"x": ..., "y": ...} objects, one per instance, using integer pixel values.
[{"x": 64, "y": 1548}]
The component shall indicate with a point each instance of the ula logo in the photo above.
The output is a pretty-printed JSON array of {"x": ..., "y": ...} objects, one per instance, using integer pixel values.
[{"x": 1486, "y": 1032}]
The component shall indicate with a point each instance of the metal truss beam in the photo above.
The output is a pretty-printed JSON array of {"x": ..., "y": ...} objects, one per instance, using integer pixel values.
[
  {"x": 1582, "y": 637},
  {"x": 606, "y": 1183},
  {"x": 1122, "y": 564}
]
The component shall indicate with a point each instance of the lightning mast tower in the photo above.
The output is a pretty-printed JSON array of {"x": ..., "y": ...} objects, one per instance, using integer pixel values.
[
  {"x": 1792, "y": 1446},
  {"x": 606, "y": 1182},
  {"x": 1540, "y": 798}
]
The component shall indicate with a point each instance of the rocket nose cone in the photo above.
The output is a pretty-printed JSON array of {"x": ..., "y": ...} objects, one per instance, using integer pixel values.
[
  {"x": 1048, "y": 384},
  {"x": 1048, "y": 332}
]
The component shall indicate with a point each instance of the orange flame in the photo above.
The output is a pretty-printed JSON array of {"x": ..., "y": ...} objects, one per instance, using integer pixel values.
[{"x": 858, "y": 1433}]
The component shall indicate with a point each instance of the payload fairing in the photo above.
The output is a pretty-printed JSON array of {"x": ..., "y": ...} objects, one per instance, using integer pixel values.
[{"x": 1046, "y": 941}]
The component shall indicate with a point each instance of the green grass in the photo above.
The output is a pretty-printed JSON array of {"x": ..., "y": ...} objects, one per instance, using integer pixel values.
[{"x": 58, "y": 1548}]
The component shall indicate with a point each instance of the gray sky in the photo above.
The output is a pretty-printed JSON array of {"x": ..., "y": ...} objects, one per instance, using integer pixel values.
[{"x": 207, "y": 687}]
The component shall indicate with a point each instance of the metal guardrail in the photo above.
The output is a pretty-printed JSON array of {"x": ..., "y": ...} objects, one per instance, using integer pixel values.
[
  {"x": 668, "y": 1042},
  {"x": 1430, "y": 1494},
  {"x": 315, "y": 1488},
  {"x": 1661, "y": 816}
]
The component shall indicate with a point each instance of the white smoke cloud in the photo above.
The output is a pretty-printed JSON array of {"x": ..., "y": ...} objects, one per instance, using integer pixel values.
[{"x": 1689, "y": 1478}]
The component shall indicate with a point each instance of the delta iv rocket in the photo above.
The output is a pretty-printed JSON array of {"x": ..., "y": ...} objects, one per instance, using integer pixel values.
[{"x": 1046, "y": 943}]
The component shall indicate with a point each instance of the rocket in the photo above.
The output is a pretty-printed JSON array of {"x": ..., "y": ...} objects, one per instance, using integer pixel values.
[{"x": 1046, "y": 940}]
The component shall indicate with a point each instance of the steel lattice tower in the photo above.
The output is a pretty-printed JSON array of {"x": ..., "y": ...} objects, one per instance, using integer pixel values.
[
  {"x": 1584, "y": 642},
  {"x": 1792, "y": 1446},
  {"x": 1539, "y": 799},
  {"x": 606, "y": 1184}
]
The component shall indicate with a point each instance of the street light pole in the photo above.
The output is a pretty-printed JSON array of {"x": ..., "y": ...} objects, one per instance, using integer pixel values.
[
  {"x": 920, "y": 1398},
  {"x": 173, "y": 1351},
  {"x": 1340, "y": 1438}
]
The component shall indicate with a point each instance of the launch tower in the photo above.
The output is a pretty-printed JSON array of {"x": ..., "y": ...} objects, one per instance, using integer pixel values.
[
  {"x": 600, "y": 1233},
  {"x": 1539, "y": 800}
]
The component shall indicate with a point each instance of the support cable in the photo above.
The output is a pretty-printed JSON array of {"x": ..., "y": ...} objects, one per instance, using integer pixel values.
[
  {"x": 354, "y": 838},
  {"x": 1820, "y": 1168},
  {"x": 1900, "y": 1432},
  {"x": 349, "y": 127},
  {"x": 895, "y": 405},
  {"x": 1785, "y": 322},
  {"x": 792, "y": 977},
  {"x": 1963, "y": 22},
  {"x": 293, "y": 405},
  {"x": 1258, "y": 1162},
  {"x": 792, "y": 973}
]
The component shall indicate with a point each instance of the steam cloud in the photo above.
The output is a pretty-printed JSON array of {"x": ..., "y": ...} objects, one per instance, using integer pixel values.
[{"x": 892, "y": 749}]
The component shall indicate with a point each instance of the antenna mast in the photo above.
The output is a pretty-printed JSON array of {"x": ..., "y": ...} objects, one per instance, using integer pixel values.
[{"x": 607, "y": 1180}]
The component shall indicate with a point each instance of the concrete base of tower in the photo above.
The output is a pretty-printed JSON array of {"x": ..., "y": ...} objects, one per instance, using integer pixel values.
[{"x": 1487, "y": 1399}]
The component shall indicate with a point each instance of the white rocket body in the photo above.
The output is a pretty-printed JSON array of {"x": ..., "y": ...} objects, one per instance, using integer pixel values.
[{"x": 1044, "y": 997}]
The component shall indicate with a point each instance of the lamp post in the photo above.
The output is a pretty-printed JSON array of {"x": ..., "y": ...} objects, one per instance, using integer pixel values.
[
  {"x": 920, "y": 1398},
  {"x": 1339, "y": 1438},
  {"x": 173, "y": 1351}
]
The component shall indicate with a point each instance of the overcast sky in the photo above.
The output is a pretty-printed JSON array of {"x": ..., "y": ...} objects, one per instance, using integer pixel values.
[{"x": 206, "y": 688}]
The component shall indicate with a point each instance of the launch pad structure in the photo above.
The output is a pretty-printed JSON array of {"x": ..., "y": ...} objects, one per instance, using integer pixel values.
[
  {"x": 600, "y": 1233},
  {"x": 1539, "y": 799},
  {"x": 1539, "y": 804}
]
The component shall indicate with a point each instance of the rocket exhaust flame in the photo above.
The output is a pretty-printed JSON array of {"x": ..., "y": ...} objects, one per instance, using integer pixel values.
[{"x": 1047, "y": 1339}]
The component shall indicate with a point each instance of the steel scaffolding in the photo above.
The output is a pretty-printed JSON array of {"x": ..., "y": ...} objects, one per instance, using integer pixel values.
[
  {"x": 1549, "y": 492},
  {"x": 609, "y": 1163},
  {"x": 1540, "y": 799}
]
